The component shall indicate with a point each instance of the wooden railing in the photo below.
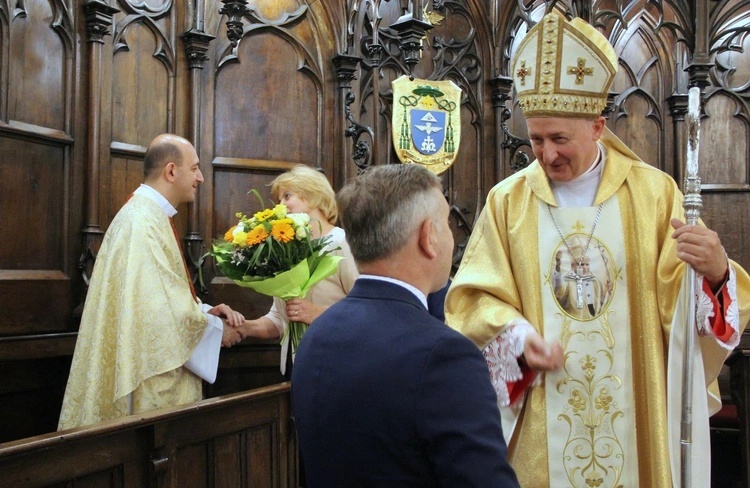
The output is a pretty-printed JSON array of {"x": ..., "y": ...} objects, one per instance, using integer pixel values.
[{"x": 242, "y": 439}]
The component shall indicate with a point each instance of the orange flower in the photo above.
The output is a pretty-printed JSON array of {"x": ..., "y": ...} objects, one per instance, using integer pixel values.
[
  {"x": 257, "y": 235},
  {"x": 229, "y": 236},
  {"x": 282, "y": 231}
]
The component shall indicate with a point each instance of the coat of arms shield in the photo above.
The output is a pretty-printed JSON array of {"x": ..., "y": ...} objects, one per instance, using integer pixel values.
[{"x": 426, "y": 123}]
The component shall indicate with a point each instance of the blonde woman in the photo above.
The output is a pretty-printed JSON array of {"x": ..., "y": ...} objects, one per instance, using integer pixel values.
[{"x": 303, "y": 189}]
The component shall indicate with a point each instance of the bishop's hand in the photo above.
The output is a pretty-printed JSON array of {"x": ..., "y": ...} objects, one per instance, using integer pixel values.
[
  {"x": 541, "y": 356},
  {"x": 701, "y": 248}
]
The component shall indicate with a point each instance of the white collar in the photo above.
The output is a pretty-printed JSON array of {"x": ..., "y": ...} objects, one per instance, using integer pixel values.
[
  {"x": 150, "y": 192},
  {"x": 581, "y": 191},
  {"x": 418, "y": 293}
]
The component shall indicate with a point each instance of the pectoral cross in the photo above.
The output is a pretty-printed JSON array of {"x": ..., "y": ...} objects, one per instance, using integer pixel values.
[{"x": 579, "y": 279}]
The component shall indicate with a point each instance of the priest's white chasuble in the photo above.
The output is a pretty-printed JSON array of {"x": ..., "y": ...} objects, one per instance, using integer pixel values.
[{"x": 140, "y": 324}]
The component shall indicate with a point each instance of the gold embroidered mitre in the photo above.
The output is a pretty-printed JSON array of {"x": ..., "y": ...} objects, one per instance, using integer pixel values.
[{"x": 563, "y": 69}]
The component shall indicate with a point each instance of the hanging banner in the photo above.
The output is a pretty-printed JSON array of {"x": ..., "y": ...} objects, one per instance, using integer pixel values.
[{"x": 426, "y": 122}]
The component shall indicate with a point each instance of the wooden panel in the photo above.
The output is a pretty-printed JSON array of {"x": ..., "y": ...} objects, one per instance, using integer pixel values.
[
  {"x": 34, "y": 373},
  {"x": 184, "y": 430},
  {"x": 38, "y": 61},
  {"x": 36, "y": 346},
  {"x": 190, "y": 466},
  {"x": 112, "y": 477},
  {"x": 254, "y": 363},
  {"x": 463, "y": 178},
  {"x": 93, "y": 458},
  {"x": 120, "y": 452},
  {"x": 260, "y": 465},
  {"x": 724, "y": 151},
  {"x": 32, "y": 185},
  {"x": 31, "y": 393},
  {"x": 139, "y": 88},
  {"x": 726, "y": 213},
  {"x": 641, "y": 132},
  {"x": 34, "y": 301},
  {"x": 266, "y": 107},
  {"x": 126, "y": 174},
  {"x": 639, "y": 113},
  {"x": 227, "y": 465}
]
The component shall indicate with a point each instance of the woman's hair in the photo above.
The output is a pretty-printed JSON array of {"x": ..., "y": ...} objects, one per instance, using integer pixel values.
[{"x": 312, "y": 186}]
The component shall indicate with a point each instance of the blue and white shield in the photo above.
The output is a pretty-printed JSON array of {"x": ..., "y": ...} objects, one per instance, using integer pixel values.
[{"x": 427, "y": 130}]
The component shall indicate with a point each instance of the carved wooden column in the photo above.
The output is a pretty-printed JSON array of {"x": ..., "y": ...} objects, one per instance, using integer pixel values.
[
  {"x": 678, "y": 106},
  {"x": 99, "y": 18},
  {"x": 500, "y": 94},
  {"x": 698, "y": 74},
  {"x": 196, "y": 46},
  {"x": 234, "y": 10},
  {"x": 345, "y": 67},
  {"x": 700, "y": 62},
  {"x": 375, "y": 52},
  {"x": 506, "y": 141},
  {"x": 411, "y": 30}
]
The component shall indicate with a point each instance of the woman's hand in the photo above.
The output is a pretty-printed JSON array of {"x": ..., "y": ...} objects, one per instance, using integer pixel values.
[{"x": 301, "y": 310}]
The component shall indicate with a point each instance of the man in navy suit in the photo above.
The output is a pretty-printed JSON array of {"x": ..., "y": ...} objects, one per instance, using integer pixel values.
[{"x": 384, "y": 394}]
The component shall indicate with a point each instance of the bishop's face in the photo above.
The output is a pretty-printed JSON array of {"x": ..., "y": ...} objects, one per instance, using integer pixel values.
[{"x": 565, "y": 147}]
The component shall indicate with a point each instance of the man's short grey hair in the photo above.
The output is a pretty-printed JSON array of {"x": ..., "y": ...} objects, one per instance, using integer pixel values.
[{"x": 382, "y": 208}]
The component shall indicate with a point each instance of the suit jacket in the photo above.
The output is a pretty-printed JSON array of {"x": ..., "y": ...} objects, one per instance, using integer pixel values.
[
  {"x": 385, "y": 395},
  {"x": 436, "y": 302}
]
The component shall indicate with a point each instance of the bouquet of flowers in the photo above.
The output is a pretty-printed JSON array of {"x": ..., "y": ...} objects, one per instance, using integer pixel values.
[{"x": 272, "y": 253}]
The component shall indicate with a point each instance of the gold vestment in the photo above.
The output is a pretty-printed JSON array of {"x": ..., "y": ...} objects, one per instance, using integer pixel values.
[
  {"x": 140, "y": 324},
  {"x": 499, "y": 281}
]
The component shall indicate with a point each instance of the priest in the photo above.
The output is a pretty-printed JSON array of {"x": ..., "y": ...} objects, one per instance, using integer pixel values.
[
  {"x": 590, "y": 399},
  {"x": 146, "y": 341}
]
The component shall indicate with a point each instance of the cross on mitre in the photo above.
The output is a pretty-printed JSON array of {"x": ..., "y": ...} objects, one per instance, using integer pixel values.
[
  {"x": 523, "y": 72},
  {"x": 580, "y": 71}
]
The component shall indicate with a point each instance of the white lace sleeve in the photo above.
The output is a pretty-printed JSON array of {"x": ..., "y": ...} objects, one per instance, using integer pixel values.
[
  {"x": 705, "y": 311},
  {"x": 502, "y": 355}
]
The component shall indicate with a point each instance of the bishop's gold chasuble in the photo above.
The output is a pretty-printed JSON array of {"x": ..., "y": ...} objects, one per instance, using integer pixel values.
[
  {"x": 139, "y": 326},
  {"x": 609, "y": 298}
]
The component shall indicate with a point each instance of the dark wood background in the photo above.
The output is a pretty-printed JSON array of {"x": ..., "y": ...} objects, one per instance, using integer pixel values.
[{"x": 86, "y": 84}]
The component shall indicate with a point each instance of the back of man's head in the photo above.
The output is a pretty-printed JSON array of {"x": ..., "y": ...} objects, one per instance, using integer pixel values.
[
  {"x": 163, "y": 149},
  {"x": 381, "y": 208}
]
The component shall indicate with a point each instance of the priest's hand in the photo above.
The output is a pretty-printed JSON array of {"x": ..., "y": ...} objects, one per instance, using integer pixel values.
[
  {"x": 540, "y": 356},
  {"x": 700, "y": 247},
  {"x": 231, "y": 335},
  {"x": 232, "y": 317}
]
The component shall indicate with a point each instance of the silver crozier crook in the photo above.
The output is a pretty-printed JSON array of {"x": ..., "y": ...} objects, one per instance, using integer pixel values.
[{"x": 692, "y": 205}]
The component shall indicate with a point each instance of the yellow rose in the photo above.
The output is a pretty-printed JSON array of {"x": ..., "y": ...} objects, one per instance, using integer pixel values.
[{"x": 240, "y": 239}]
